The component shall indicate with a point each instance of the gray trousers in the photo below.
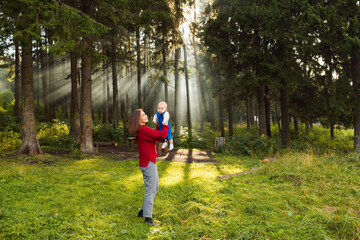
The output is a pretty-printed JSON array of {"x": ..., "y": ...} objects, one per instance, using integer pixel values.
[{"x": 151, "y": 181}]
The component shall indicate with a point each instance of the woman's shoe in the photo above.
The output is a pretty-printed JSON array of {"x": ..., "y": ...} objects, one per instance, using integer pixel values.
[
  {"x": 151, "y": 222},
  {"x": 140, "y": 213}
]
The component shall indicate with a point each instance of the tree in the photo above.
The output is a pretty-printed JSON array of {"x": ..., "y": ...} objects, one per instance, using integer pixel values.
[
  {"x": 198, "y": 89},
  {"x": 30, "y": 144},
  {"x": 86, "y": 121},
  {"x": 25, "y": 31}
]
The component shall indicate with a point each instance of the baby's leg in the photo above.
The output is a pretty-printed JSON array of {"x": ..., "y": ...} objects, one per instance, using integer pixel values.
[{"x": 171, "y": 147}]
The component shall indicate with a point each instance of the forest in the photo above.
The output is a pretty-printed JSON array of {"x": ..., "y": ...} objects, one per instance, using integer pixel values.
[{"x": 264, "y": 102}]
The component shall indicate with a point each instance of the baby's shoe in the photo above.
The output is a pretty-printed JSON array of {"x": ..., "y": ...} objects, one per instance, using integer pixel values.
[
  {"x": 164, "y": 145},
  {"x": 171, "y": 147}
]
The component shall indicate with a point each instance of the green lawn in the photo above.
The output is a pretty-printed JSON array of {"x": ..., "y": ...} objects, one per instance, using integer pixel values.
[{"x": 299, "y": 196}]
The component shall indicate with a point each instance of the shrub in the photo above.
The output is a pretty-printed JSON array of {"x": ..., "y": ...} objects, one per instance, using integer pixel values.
[
  {"x": 53, "y": 134},
  {"x": 9, "y": 141},
  {"x": 106, "y": 133},
  {"x": 249, "y": 145},
  {"x": 6, "y": 99},
  {"x": 182, "y": 139}
]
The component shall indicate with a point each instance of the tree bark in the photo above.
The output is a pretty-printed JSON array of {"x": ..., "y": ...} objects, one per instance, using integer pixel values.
[
  {"x": 296, "y": 125},
  {"x": 44, "y": 79},
  {"x": 138, "y": 62},
  {"x": 267, "y": 110},
  {"x": 248, "y": 117},
  {"x": 51, "y": 89},
  {"x": 355, "y": 64},
  {"x": 64, "y": 102},
  {"x": 108, "y": 96},
  {"x": 231, "y": 123},
  {"x": 212, "y": 113},
  {"x": 221, "y": 116},
  {"x": 285, "y": 133},
  {"x": 164, "y": 70},
  {"x": 261, "y": 109},
  {"x": 75, "y": 131},
  {"x": 37, "y": 71},
  {"x": 251, "y": 110},
  {"x": 104, "y": 96},
  {"x": 187, "y": 93},
  {"x": 30, "y": 144},
  {"x": 115, "y": 85},
  {"x": 177, "y": 90},
  {"x": 86, "y": 144},
  {"x": 17, "y": 82},
  {"x": 198, "y": 90}
]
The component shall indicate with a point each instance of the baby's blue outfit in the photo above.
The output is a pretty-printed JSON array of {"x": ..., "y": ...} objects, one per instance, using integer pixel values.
[{"x": 160, "y": 117}]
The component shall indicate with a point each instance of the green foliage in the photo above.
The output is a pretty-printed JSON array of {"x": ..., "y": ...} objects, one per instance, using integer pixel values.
[
  {"x": 6, "y": 99},
  {"x": 7, "y": 119},
  {"x": 182, "y": 140},
  {"x": 9, "y": 141},
  {"x": 317, "y": 140},
  {"x": 55, "y": 133},
  {"x": 107, "y": 133}
]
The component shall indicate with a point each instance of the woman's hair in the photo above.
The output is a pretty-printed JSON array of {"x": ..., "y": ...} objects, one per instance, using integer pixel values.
[{"x": 134, "y": 123}]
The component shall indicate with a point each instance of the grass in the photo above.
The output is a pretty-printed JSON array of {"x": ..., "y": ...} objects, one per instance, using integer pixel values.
[{"x": 299, "y": 196}]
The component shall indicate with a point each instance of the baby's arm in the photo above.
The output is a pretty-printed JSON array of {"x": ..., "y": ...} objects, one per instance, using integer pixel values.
[
  {"x": 155, "y": 119},
  {"x": 166, "y": 117}
]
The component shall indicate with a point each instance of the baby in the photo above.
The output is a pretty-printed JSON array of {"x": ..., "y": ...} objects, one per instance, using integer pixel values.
[{"x": 161, "y": 116}]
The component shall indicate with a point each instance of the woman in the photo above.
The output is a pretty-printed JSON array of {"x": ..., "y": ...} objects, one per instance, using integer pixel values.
[{"x": 146, "y": 138}]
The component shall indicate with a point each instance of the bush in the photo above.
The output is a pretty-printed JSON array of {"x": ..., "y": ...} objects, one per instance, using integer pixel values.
[
  {"x": 9, "y": 141},
  {"x": 106, "y": 133},
  {"x": 249, "y": 145},
  {"x": 6, "y": 99},
  {"x": 53, "y": 134},
  {"x": 182, "y": 140}
]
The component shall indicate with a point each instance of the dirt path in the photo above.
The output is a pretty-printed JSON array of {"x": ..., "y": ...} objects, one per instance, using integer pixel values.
[{"x": 177, "y": 155}]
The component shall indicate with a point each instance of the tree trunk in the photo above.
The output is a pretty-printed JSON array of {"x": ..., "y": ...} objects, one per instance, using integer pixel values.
[
  {"x": 231, "y": 123},
  {"x": 200, "y": 110},
  {"x": 64, "y": 102},
  {"x": 267, "y": 110},
  {"x": 251, "y": 110},
  {"x": 355, "y": 64},
  {"x": 285, "y": 133},
  {"x": 277, "y": 118},
  {"x": 51, "y": 90},
  {"x": 108, "y": 95},
  {"x": 37, "y": 71},
  {"x": 17, "y": 82},
  {"x": 212, "y": 113},
  {"x": 115, "y": 85},
  {"x": 296, "y": 125},
  {"x": 104, "y": 97},
  {"x": 248, "y": 117},
  {"x": 75, "y": 130},
  {"x": 44, "y": 79},
  {"x": 332, "y": 132},
  {"x": 138, "y": 62},
  {"x": 261, "y": 109},
  {"x": 187, "y": 93},
  {"x": 164, "y": 70},
  {"x": 221, "y": 116},
  {"x": 177, "y": 90},
  {"x": 86, "y": 144},
  {"x": 30, "y": 144}
]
